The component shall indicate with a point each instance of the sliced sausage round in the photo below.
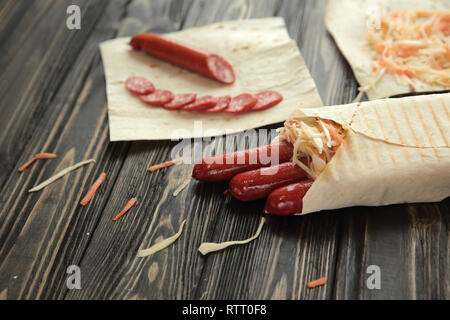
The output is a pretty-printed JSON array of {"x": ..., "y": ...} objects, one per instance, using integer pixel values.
[
  {"x": 267, "y": 99},
  {"x": 222, "y": 104},
  {"x": 139, "y": 85},
  {"x": 241, "y": 103},
  {"x": 220, "y": 69},
  {"x": 180, "y": 100},
  {"x": 201, "y": 103},
  {"x": 158, "y": 98}
]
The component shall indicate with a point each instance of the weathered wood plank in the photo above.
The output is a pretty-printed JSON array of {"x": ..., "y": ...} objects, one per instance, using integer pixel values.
[
  {"x": 38, "y": 231},
  {"x": 37, "y": 53},
  {"x": 205, "y": 12},
  {"x": 329, "y": 69},
  {"x": 108, "y": 243},
  {"x": 409, "y": 243},
  {"x": 11, "y": 12}
]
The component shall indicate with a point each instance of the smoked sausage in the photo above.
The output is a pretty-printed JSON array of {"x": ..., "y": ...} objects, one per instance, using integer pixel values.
[
  {"x": 257, "y": 184},
  {"x": 208, "y": 64},
  {"x": 287, "y": 200},
  {"x": 224, "y": 166}
]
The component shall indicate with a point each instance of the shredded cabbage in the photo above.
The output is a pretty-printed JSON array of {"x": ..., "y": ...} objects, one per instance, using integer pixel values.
[{"x": 315, "y": 142}]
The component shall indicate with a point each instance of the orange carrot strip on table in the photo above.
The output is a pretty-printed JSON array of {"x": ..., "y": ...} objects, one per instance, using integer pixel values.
[
  {"x": 164, "y": 165},
  {"x": 90, "y": 194},
  {"x": 36, "y": 157},
  {"x": 128, "y": 206},
  {"x": 318, "y": 282}
]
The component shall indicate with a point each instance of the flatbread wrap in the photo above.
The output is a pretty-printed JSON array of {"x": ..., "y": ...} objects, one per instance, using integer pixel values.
[
  {"x": 372, "y": 153},
  {"x": 393, "y": 151}
]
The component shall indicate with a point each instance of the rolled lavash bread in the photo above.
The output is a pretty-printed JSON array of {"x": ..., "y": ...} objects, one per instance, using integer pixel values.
[{"x": 394, "y": 151}]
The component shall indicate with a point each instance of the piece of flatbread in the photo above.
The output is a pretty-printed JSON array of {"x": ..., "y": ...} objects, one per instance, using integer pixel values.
[
  {"x": 262, "y": 55},
  {"x": 395, "y": 151},
  {"x": 346, "y": 20}
]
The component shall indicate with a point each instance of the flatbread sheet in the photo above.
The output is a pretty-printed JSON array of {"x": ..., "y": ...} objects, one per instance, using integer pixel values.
[
  {"x": 346, "y": 20},
  {"x": 263, "y": 57},
  {"x": 395, "y": 151}
]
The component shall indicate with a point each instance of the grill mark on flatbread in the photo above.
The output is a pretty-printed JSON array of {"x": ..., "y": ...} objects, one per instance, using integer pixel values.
[
  {"x": 384, "y": 133},
  {"x": 445, "y": 108},
  {"x": 430, "y": 139},
  {"x": 413, "y": 133},
  {"x": 394, "y": 121},
  {"x": 377, "y": 156},
  {"x": 441, "y": 130}
]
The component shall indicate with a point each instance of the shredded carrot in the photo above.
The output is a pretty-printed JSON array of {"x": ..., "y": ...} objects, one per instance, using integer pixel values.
[
  {"x": 384, "y": 24},
  {"x": 36, "y": 157},
  {"x": 320, "y": 155},
  {"x": 317, "y": 283},
  {"x": 164, "y": 164},
  {"x": 90, "y": 194},
  {"x": 411, "y": 45},
  {"x": 407, "y": 72},
  {"x": 407, "y": 52},
  {"x": 333, "y": 131},
  {"x": 127, "y": 207},
  {"x": 379, "y": 47}
]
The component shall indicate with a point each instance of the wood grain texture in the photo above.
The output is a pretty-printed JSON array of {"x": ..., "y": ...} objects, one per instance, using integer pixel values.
[
  {"x": 53, "y": 83},
  {"x": 36, "y": 57},
  {"x": 408, "y": 242},
  {"x": 34, "y": 229}
]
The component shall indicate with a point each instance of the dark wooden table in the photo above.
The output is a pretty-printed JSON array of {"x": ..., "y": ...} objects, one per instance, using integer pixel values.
[{"x": 53, "y": 99}]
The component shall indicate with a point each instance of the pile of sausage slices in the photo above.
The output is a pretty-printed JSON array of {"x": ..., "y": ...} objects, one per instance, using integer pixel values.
[{"x": 244, "y": 102}]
